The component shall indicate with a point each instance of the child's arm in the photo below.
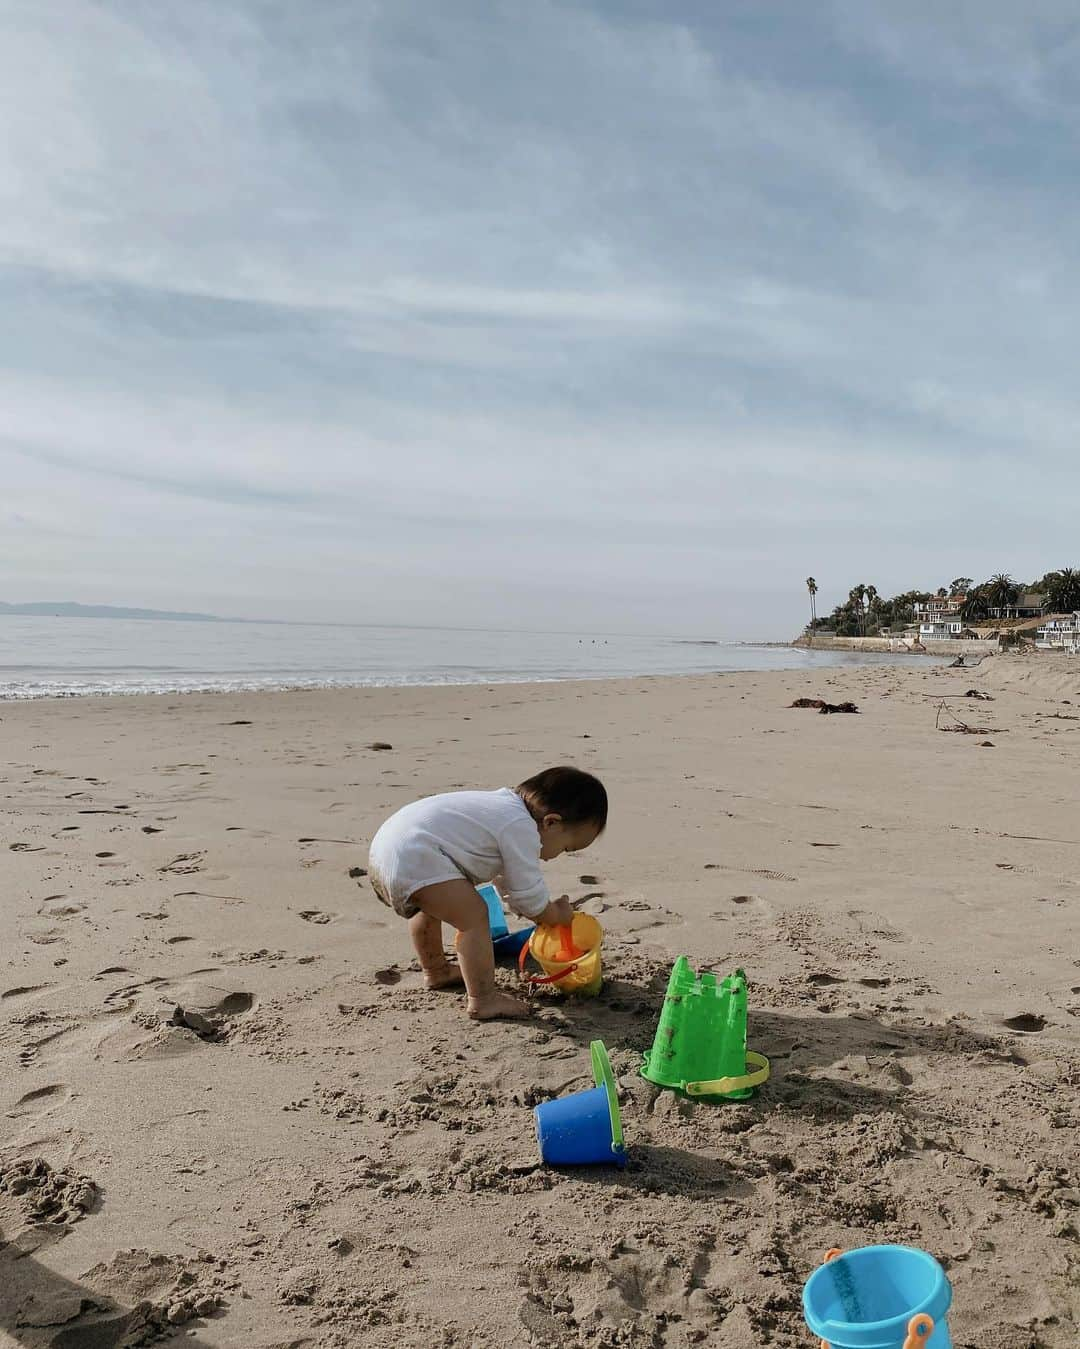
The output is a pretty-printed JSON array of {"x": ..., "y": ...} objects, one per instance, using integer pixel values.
[
  {"x": 524, "y": 886},
  {"x": 558, "y": 913}
]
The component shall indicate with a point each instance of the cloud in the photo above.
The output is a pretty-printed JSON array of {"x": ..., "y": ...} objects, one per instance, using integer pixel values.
[{"x": 581, "y": 305}]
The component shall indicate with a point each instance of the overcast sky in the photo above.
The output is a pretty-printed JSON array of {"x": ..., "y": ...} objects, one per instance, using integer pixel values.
[{"x": 624, "y": 315}]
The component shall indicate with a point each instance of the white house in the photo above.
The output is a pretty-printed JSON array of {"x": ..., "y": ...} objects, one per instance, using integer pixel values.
[
  {"x": 1060, "y": 634},
  {"x": 939, "y": 617},
  {"x": 940, "y": 629}
]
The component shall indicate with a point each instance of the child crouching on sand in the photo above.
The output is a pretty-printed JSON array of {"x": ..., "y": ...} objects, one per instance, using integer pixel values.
[{"x": 426, "y": 861}]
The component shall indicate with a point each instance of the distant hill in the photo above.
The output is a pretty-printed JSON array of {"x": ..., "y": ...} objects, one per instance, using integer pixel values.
[{"x": 69, "y": 610}]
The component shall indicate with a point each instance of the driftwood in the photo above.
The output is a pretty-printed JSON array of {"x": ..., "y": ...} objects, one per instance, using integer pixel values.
[
  {"x": 823, "y": 706},
  {"x": 961, "y": 726}
]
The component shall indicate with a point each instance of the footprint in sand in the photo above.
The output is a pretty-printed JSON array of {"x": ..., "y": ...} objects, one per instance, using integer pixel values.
[
  {"x": 23, "y": 990},
  {"x": 68, "y": 910},
  {"x": 317, "y": 916},
  {"x": 874, "y": 926},
  {"x": 207, "y": 1009},
  {"x": 186, "y": 864},
  {"x": 41, "y": 1101},
  {"x": 593, "y": 904},
  {"x": 752, "y": 906},
  {"x": 766, "y": 872}
]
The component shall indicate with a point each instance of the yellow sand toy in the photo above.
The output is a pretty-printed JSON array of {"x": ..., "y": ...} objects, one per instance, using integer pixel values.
[{"x": 569, "y": 956}]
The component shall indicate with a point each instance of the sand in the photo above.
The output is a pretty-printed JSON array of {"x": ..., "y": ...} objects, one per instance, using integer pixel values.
[{"x": 229, "y": 1109}]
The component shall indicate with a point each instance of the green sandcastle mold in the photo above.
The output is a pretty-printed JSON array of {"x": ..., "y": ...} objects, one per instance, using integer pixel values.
[{"x": 700, "y": 1042}]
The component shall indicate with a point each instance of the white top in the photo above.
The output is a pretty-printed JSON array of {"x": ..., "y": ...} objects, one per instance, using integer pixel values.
[{"x": 481, "y": 835}]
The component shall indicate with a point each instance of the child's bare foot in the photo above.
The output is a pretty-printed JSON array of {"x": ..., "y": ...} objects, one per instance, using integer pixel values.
[
  {"x": 495, "y": 1005},
  {"x": 444, "y": 976}
]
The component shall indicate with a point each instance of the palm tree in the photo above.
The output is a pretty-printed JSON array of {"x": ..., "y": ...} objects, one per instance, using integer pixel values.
[
  {"x": 870, "y": 598},
  {"x": 1063, "y": 592},
  {"x": 976, "y": 606},
  {"x": 856, "y": 596},
  {"x": 811, "y": 586},
  {"x": 1001, "y": 592}
]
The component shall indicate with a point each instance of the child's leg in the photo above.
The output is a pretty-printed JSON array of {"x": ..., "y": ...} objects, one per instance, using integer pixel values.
[
  {"x": 427, "y": 938},
  {"x": 457, "y": 903}
]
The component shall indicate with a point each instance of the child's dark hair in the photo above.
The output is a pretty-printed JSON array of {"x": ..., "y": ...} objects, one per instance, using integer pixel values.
[{"x": 576, "y": 796}]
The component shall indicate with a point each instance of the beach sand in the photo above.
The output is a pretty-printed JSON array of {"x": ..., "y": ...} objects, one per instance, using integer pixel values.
[{"x": 346, "y": 1160}]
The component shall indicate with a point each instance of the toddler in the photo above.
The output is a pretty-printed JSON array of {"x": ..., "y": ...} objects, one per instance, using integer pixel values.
[{"x": 426, "y": 861}]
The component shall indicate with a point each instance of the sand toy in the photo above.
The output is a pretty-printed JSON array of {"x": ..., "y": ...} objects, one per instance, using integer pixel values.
[
  {"x": 879, "y": 1297},
  {"x": 569, "y": 956},
  {"x": 700, "y": 1043},
  {"x": 496, "y": 913},
  {"x": 583, "y": 1129},
  {"x": 507, "y": 944},
  {"x": 510, "y": 946}
]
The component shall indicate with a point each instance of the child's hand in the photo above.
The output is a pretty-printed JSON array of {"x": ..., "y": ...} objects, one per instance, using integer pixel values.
[{"x": 558, "y": 913}]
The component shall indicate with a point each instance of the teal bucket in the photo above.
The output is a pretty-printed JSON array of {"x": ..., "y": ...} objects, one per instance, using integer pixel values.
[
  {"x": 879, "y": 1297},
  {"x": 496, "y": 914}
]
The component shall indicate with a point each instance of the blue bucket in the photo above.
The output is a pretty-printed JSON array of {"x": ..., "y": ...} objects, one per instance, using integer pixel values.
[
  {"x": 879, "y": 1297},
  {"x": 583, "y": 1129},
  {"x": 509, "y": 947},
  {"x": 496, "y": 914}
]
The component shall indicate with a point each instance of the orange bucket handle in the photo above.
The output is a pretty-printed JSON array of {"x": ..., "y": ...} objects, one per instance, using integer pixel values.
[
  {"x": 540, "y": 978},
  {"x": 920, "y": 1328}
]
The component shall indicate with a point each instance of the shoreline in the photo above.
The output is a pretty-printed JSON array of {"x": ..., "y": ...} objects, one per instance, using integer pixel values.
[{"x": 902, "y": 658}]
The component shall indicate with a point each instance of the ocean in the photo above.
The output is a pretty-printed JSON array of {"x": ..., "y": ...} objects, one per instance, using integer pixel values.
[{"x": 50, "y": 657}]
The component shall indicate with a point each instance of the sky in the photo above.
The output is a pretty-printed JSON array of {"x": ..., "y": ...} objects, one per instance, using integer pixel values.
[{"x": 622, "y": 316}]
